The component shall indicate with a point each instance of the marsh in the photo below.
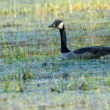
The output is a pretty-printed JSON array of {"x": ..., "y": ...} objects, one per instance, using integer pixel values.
[{"x": 32, "y": 73}]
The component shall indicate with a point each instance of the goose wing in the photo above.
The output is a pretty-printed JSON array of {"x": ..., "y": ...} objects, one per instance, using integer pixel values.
[{"x": 94, "y": 51}]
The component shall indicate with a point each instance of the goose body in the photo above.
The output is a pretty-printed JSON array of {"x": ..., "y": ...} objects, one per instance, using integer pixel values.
[{"x": 86, "y": 52}]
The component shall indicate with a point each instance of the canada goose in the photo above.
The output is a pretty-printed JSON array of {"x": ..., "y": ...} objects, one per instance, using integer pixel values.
[{"x": 86, "y": 52}]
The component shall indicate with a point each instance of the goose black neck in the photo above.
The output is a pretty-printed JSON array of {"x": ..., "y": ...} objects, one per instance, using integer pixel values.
[{"x": 64, "y": 48}]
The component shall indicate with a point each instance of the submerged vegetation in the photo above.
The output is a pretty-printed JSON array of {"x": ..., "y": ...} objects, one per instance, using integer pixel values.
[{"x": 32, "y": 73}]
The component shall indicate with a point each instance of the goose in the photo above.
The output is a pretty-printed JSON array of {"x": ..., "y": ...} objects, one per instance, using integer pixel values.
[{"x": 91, "y": 52}]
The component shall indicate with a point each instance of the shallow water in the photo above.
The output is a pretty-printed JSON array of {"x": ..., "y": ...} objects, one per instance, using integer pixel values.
[
  {"x": 51, "y": 71},
  {"x": 57, "y": 83}
]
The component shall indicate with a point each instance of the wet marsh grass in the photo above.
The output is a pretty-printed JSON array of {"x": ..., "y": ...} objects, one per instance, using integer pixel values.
[{"x": 30, "y": 54}]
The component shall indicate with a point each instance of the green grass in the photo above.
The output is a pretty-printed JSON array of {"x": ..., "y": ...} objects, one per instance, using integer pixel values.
[{"x": 33, "y": 76}]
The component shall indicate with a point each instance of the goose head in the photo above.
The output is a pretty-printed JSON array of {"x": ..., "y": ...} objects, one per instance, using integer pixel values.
[{"x": 57, "y": 24}]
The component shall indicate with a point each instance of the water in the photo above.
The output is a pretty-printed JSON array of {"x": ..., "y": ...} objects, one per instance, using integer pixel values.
[
  {"x": 52, "y": 73},
  {"x": 27, "y": 46}
]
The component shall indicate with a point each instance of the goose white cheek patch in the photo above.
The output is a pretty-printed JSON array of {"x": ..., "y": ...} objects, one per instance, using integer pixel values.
[{"x": 60, "y": 26}]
